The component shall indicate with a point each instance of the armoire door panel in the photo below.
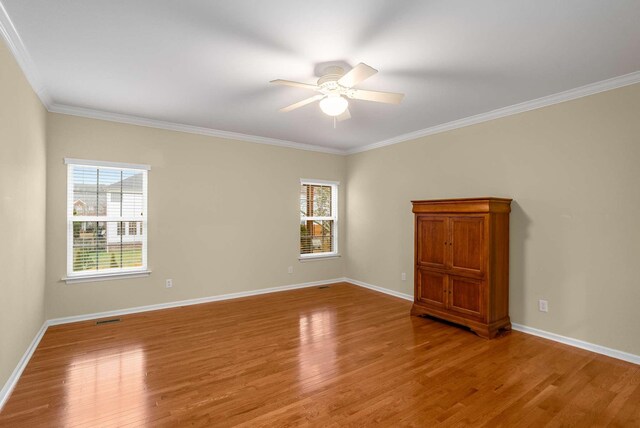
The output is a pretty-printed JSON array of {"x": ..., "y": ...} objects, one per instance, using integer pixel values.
[
  {"x": 431, "y": 287},
  {"x": 432, "y": 241},
  {"x": 466, "y": 296},
  {"x": 467, "y": 244}
]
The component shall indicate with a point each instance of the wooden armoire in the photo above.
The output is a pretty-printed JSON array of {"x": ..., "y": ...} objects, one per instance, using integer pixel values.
[{"x": 462, "y": 262}]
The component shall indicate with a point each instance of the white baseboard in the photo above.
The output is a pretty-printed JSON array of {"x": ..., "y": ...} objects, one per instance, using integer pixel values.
[
  {"x": 598, "y": 349},
  {"x": 614, "y": 353},
  {"x": 189, "y": 302},
  {"x": 13, "y": 379},
  {"x": 17, "y": 372},
  {"x": 380, "y": 289}
]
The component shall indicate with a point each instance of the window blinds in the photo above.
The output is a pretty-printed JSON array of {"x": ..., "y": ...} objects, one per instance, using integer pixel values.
[{"x": 107, "y": 218}]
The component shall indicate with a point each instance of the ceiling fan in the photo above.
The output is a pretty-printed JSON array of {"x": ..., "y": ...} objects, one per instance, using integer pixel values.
[{"x": 336, "y": 87}]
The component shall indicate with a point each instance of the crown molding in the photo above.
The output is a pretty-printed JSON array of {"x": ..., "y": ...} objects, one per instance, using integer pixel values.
[
  {"x": 171, "y": 126},
  {"x": 15, "y": 44},
  {"x": 22, "y": 57},
  {"x": 14, "y": 41},
  {"x": 560, "y": 97}
]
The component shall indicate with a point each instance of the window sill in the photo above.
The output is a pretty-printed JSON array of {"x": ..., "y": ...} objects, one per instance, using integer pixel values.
[
  {"x": 106, "y": 277},
  {"x": 312, "y": 258}
]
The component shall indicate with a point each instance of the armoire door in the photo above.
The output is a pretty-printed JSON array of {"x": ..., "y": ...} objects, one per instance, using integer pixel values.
[
  {"x": 432, "y": 241},
  {"x": 431, "y": 287},
  {"x": 467, "y": 242},
  {"x": 466, "y": 296}
]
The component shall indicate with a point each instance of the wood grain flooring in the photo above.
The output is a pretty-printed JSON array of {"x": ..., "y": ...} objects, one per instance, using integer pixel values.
[{"x": 337, "y": 356}]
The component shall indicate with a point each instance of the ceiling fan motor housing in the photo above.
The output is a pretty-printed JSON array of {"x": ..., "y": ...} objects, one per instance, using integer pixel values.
[
  {"x": 329, "y": 80},
  {"x": 331, "y": 74}
]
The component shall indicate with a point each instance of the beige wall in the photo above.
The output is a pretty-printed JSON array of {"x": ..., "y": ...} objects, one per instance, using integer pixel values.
[
  {"x": 573, "y": 172},
  {"x": 22, "y": 213},
  {"x": 223, "y": 215}
]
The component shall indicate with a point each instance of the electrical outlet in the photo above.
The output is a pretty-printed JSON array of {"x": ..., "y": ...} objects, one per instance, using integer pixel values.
[
  {"x": 169, "y": 283},
  {"x": 543, "y": 305},
  {"x": 290, "y": 269},
  {"x": 403, "y": 276}
]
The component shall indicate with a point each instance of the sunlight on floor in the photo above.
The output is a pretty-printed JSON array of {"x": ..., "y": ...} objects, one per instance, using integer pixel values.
[
  {"x": 101, "y": 377},
  {"x": 318, "y": 348}
]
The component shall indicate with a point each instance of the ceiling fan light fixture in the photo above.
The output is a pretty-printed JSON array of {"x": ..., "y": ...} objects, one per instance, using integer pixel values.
[
  {"x": 336, "y": 89},
  {"x": 334, "y": 105}
]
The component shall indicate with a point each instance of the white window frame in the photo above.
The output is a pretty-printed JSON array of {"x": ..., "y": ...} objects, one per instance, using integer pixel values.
[
  {"x": 105, "y": 274},
  {"x": 334, "y": 216}
]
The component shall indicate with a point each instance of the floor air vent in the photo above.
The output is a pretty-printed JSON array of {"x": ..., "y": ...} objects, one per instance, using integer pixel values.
[
  {"x": 324, "y": 286},
  {"x": 109, "y": 321}
]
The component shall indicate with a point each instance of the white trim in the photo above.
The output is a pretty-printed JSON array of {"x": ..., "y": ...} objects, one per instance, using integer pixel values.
[
  {"x": 189, "y": 129},
  {"x": 144, "y": 224},
  {"x": 335, "y": 251},
  {"x": 13, "y": 379},
  {"x": 319, "y": 182},
  {"x": 319, "y": 218},
  {"x": 77, "y": 279},
  {"x": 13, "y": 40},
  {"x": 20, "y": 53},
  {"x": 106, "y": 164},
  {"x": 105, "y": 274},
  {"x": 15, "y": 44},
  {"x": 560, "y": 97},
  {"x": 69, "y": 224},
  {"x": 22, "y": 364},
  {"x": 598, "y": 349},
  {"x": 380, "y": 289},
  {"x": 317, "y": 256},
  {"x": 10, "y": 384},
  {"x": 189, "y": 302},
  {"x": 108, "y": 218}
]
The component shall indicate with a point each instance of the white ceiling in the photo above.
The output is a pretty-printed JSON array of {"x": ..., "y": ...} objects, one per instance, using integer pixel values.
[{"x": 208, "y": 63}]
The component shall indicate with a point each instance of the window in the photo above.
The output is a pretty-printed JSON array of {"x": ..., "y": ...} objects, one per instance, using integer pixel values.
[
  {"x": 318, "y": 218},
  {"x": 102, "y": 199}
]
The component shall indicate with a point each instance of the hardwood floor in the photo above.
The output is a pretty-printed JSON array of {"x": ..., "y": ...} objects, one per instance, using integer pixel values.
[{"x": 337, "y": 356}]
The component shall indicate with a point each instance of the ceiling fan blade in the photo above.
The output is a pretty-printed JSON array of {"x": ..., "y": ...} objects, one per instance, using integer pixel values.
[
  {"x": 295, "y": 84},
  {"x": 377, "y": 96},
  {"x": 344, "y": 116},
  {"x": 357, "y": 74},
  {"x": 302, "y": 103}
]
